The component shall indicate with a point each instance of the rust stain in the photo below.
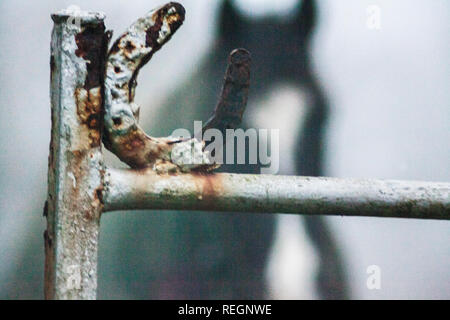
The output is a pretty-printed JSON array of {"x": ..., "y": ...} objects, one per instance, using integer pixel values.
[
  {"x": 75, "y": 167},
  {"x": 152, "y": 33},
  {"x": 52, "y": 66},
  {"x": 92, "y": 43},
  {"x": 98, "y": 194},
  {"x": 129, "y": 46},
  {"x": 78, "y": 164},
  {"x": 49, "y": 266},
  {"x": 89, "y": 111},
  {"x": 88, "y": 215},
  {"x": 92, "y": 46},
  {"x": 137, "y": 150},
  {"x": 94, "y": 138},
  {"x": 48, "y": 239},
  {"x": 136, "y": 143},
  {"x": 45, "y": 213},
  {"x": 77, "y": 153},
  {"x": 210, "y": 186},
  {"x": 175, "y": 20},
  {"x": 115, "y": 47}
]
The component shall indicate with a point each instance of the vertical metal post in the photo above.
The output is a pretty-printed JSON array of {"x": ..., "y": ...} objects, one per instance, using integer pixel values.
[{"x": 75, "y": 176}]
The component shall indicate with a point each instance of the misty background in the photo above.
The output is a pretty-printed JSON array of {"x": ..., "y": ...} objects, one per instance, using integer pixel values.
[{"x": 390, "y": 119}]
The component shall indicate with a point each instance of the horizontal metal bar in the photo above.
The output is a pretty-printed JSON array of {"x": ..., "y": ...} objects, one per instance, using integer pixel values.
[{"x": 145, "y": 189}]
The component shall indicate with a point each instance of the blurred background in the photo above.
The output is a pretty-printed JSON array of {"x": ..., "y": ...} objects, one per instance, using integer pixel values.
[{"x": 386, "y": 83}]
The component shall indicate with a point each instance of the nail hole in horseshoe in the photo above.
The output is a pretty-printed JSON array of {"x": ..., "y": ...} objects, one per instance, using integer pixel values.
[{"x": 117, "y": 121}]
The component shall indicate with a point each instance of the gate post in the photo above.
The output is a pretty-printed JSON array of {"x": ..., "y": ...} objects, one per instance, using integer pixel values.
[{"x": 75, "y": 174}]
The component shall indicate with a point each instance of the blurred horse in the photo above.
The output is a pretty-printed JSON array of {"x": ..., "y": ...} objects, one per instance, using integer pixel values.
[{"x": 224, "y": 255}]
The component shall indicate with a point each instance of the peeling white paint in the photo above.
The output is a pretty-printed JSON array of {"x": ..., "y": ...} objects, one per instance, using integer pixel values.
[{"x": 74, "y": 180}]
